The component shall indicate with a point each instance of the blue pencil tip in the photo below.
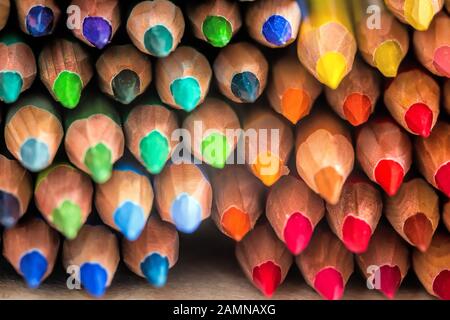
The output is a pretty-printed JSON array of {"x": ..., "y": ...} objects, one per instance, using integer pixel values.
[
  {"x": 130, "y": 220},
  {"x": 186, "y": 213},
  {"x": 277, "y": 30},
  {"x": 155, "y": 269},
  {"x": 34, "y": 155},
  {"x": 93, "y": 278},
  {"x": 245, "y": 86},
  {"x": 9, "y": 209},
  {"x": 33, "y": 267},
  {"x": 39, "y": 21}
]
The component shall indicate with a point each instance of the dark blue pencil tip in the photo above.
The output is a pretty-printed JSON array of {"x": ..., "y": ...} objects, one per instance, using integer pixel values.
[
  {"x": 33, "y": 267},
  {"x": 245, "y": 86},
  {"x": 39, "y": 21},
  {"x": 97, "y": 31},
  {"x": 9, "y": 209},
  {"x": 155, "y": 269},
  {"x": 277, "y": 30},
  {"x": 93, "y": 278}
]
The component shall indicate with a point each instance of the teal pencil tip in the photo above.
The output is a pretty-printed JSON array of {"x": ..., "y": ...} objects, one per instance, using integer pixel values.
[{"x": 10, "y": 86}]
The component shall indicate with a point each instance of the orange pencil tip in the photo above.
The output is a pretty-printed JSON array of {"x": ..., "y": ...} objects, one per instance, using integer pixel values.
[
  {"x": 419, "y": 231},
  {"x": 329, "y": 184},
  {"x": 236, "y": 223},
  {"x": 357, "y": 108}
]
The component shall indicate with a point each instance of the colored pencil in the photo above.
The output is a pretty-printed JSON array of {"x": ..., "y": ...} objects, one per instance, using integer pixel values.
[
  {"x": 4, "y": 12},
  {"x": 416, "y": 13},
  {"x": 153, "y": 253},
  {"x": 15, "y": 191},
  {"x": 241, "y": 72},
  {"x": 183, "y": 78},
  {"x": 96, "y": 252},
  {"x": 383, "y": 46},
  {"x": 183, "y": 196},
  {"x": 355, "y": 217},
  {"x": 293, "y": 211},
  {"x": 213, "y": 127},
  {"x": 273, "y": 23},
  {"x": 446, "y": 215},
  {"x": 326, "y": 264},
  {"x": 432, "y": 267},
  {"x": 94, "y": 139},
  {"x": 63, "y": 195},
  {"x": 384, "y": 152},
  {"x": 292, "y": 90},
  {"x": 414, "y": 213},
  {"x": 33, "y": 132},
  {"x": 385, "y": 263},
  {"x": 446, "y": 92},
  {"x": 326, "y": 45},
  {"x": 124, "y": 202},
  {"x": 324, "y": 154},
  {"x": 432, "y": 47},
  {"x": 100, "y": 21},
  {"x": 357, "y": 95},
  {"x": 238, "y": 201},
  {"x": 156, "y": 27},
  {"x": 268, "y": 145},
  {"x": 215, "y": 21},
  {"x": 124, "y": 73},
  {"x": 148, "y": 130},
  {"x": 31, "y": 248},
  {"x": 18, "y": 67},
  {"x": 37, "y": 17},
  {"x": 65, "y": 70},
  {"x": 412, "y": 98},
  {"x": 433, "y": 157},
  {"x": 447, "y": 5},
  {"x": 264, "y": 259}
]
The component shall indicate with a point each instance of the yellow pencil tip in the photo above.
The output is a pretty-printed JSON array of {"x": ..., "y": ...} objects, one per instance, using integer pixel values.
[
  {"x": 331, "y": 69},
  {"x": 419, "y": 13},
  {"x": 388, "y": 57}
]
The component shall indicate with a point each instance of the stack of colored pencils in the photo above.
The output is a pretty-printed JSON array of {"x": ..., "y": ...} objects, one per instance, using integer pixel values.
[{"x": 310, "y": 131}]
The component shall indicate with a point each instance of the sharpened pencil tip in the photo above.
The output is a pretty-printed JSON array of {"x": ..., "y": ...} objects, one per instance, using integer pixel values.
[
  {"x": 186, "y": 213},
  {"x": 329, "y": 184},
  {"x": 419, "y": 119},
  {"x": 130, "y": 220},
  {"x": 11, "y": 84},
  {"x": 442, "y": 178},
  {"x": 329, "y": 284},
  {"x": 98, "y": 160},
  {"x": 34, "y": 155},
  {"x": 39, "y": 21},
  {"x": 419, "y": 13},
  {"x": 297, "y": 233},
  {"x": 236, "y": 223},
  {"x": 389, "y": 175},
  {"x": 267, "y": 277},
  {"x": 419, "y": 231},
  {"x": 93, "y": 277},
  {"x": 331, "y": 69},
  {"x": 356, "y": 234},
  {"x": 387, "y": 58},
  {"x": 97, "y": 31},
  {"x": 390, "y": 280},
  {"x": 67, "y": 219},
  {"x": 33, "y": 267},
  {"x": 155, "y": 269},
  {"x": 441, "y": 285}
]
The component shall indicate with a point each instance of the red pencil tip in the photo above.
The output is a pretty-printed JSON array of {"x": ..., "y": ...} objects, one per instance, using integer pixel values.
[
  {"x": 389, "y": 175},
  {"x": 329, "y": 284},
  {"x": 442, "y": 178},
  {"x": 419, "y": 231},
  {"x": 267, "y": 277},
  {"x": 390, "y": 279},
  {"x": 356, "y": 234},
  {"x": 441, "y": 60},
  {"x": 441, "y": 285},
  {"x": 357, "y": 108},
  {"x": 419, "y": 119},
  {"x": 297, "y": 233}
]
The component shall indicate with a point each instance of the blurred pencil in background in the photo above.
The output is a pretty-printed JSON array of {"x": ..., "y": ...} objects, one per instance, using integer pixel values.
[
  {"x": 238, "y": 201},
  {"x": 15, "y": 191},
  {"x": 31, "y": 247},
  {"x": 37, "y": 17},
  {"x": 156, "y": 27},
  {"x": 65, "y": 70},
  {"x": 124, "y": 73},
  {"x": 18, "y": 68},
  {"x": 215, "y": 21},
  {"x": 382, "y": 42},
  {"x": 63, "y": 195},
  {"x": 273, "y": 23},
  {"x": 33, "y": 132},
  {"x": 293, "y": 211},
  {"x": 292, "y": 90},
  {"x": 326, "y": 44},
  {"x": 5, "y": 7},
  {"x": 153, "y": 253}
]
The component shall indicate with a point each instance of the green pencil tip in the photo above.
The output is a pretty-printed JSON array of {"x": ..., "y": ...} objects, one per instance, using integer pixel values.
[
  {"x": 215, "y": 150},
  {"x": 10, "y": 86},
  {"x": 67, "y": 219},
  {"x": 67, "y": 88},
  {"x": 217, "y": 31},
  {"x": 154, "y": 151},
  {"x": 98, "y": 160}
]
